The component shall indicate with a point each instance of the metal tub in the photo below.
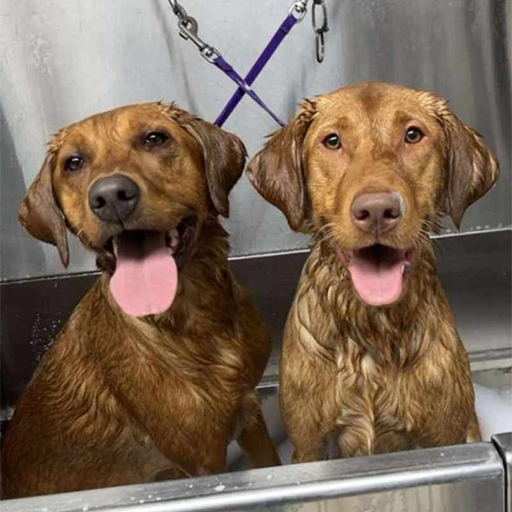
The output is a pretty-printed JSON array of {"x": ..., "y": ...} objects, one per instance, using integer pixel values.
[
  {"x": 475, "y": 270},
  {"x": 66, "y": 60}
]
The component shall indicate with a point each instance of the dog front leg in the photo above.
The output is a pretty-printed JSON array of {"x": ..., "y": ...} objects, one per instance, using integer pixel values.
[
  {"x": 308, "y": 437},
  {"x": 255, "y": 439},
  {"x": 191, "y": 436}
]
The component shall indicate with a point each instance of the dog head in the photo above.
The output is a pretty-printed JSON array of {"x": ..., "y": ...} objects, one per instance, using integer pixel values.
[
  {"x": 133, "y": 183},
  {"x": 371, "y": 168}
]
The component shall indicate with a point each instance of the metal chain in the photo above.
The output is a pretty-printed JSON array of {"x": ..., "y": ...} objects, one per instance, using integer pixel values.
[
  {"x": 320, "y": 29},
  {"x": 188, "y": 28}
]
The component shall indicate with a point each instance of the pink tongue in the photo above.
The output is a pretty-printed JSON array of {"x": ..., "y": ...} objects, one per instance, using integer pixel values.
[
  {"x": 378, "y": 277},
  {"x": 146, "y": 276}
]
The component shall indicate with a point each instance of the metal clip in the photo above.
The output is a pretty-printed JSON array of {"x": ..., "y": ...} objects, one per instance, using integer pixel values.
[
  {"x": 210, "y": 53},
  {"x": 320, "y": 30},
  {"x": 299, "y": 9},
  {"x": 189, "y": 28}
]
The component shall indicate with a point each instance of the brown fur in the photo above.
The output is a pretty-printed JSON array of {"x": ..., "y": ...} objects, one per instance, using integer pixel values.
[
  {"x": 118, "y": 399},
  {"x": 373, "y": 379}
]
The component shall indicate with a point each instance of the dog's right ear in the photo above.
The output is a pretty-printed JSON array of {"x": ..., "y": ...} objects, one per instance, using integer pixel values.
[
  {"x": 39, "y": 213},
  {"x": 276, "y": 171}
]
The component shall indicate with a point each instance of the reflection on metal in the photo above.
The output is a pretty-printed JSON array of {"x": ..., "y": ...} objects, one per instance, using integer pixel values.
[
  {"x": 503, "y": 443},
  {"x": 63, "y": 61},
  {"x": 465, "y": 478}
]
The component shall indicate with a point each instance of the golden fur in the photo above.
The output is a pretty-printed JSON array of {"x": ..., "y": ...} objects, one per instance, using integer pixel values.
[
  {"x": 373, "y": 378},
  {"x": 118, "y": 399}
]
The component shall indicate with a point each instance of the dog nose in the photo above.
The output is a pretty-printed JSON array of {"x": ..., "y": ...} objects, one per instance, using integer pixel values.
[
  {"x": 377, "y": 213},
  {"x": 114, "y": 198}
]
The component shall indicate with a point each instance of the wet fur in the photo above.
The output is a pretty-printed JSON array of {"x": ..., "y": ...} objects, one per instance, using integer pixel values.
[
  {"x": 372, "y": 379},
  {"x": 120, "y": 400}
]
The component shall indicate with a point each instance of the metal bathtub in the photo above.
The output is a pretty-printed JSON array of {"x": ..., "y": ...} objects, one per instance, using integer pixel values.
[{"x": 475, "y": 270}]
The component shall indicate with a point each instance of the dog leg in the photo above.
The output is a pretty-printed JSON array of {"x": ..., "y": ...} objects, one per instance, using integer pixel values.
[
  {"x": 254, "y": 439},
  {"x": 307, "y": 430},
  {"x": 312, "y": 453}
]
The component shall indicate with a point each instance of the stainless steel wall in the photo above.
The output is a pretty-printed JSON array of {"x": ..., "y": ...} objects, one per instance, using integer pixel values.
[{"x": 64, "y": 60}]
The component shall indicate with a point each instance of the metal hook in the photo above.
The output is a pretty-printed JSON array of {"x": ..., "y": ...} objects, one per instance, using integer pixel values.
[
  {"x": 320, "y": 30},
  {"x": 189, "y": 30}
]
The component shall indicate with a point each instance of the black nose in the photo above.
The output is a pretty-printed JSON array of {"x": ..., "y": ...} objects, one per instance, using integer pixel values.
[
  {"x": 114, "y": 198},
  {"x": 377, "y": 213}
]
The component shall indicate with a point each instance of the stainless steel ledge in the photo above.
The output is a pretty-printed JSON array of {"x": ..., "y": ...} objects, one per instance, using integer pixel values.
[{"x": 457, "y": 478}]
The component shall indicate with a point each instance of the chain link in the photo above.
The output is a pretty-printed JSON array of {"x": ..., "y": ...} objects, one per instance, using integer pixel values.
[{"x": 320, "y": 29}]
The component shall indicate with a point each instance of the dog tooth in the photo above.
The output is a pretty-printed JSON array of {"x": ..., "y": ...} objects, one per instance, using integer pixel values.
[{"x": 175, "y": 238}]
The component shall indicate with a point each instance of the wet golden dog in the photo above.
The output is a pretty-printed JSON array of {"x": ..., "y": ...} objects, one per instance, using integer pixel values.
[
  {"x": 156, "y": 369},
  {"x": 371, "y": 357}
]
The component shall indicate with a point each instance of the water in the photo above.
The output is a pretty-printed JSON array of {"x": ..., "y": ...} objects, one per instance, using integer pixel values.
[{"x": 494, "y": 410}]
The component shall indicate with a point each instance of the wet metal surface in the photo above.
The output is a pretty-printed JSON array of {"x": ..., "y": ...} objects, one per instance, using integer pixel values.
[
  {"x": 465, "y": 478},
  {"x": 63, "y": 61}
]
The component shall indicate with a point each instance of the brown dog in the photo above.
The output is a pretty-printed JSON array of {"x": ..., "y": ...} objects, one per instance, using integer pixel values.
[
  {"x": 371, "y": 357},
  {"x": 136, "y": 389}
]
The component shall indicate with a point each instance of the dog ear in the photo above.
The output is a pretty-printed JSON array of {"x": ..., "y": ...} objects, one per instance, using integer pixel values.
[
  {"x": 276, "y": 171},
  {"x": 472, "y": 168},
  {"x": 224, "y": 155},
  {"x": 39, "y": 213}
]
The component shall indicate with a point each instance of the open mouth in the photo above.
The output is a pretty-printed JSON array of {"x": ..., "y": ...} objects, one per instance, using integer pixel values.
[
  {"x": 178, "y": 241},
  {"x": 378, "y": 273},
  {"x": 145, "y": 263}
]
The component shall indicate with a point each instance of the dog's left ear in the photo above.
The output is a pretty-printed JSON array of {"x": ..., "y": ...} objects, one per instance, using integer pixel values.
[
  {"x": 39, "y": 213},
  {"x": 472, "y": 168},
  {"x": 277, "y": 170},
  {"x": 224, "y": 156}
]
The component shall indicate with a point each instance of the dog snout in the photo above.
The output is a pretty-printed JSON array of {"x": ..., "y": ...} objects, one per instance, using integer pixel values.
[
  {"x": 377, "y": 213},
  {"x": 114, "y": 198}
]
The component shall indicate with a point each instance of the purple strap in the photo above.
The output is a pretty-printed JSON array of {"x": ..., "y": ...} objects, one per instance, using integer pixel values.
[
  {"x": 228, "y": 69},
  {"x": 243, "y": 85}
]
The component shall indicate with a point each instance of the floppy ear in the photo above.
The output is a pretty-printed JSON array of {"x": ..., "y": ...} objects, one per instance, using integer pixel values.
[
  {"x": 472, "y": 168},
  {"x": 224, "y": 156},
  {"x": 276, "y": 171},
  {"x": 39, "y": 213}
]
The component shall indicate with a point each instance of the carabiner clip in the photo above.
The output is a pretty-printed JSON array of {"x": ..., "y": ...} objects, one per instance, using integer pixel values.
[
  {"x": 189, "y": 31},
  {"x": 320, "y": 30}
]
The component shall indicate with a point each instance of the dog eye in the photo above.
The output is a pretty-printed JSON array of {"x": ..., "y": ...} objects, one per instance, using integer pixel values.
[
  {"x": 413, "y": 135},
  {"x": 73, "y": 163},
  {"x": 154, "y": 139},
  {"x": 332, "y": 141}
]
